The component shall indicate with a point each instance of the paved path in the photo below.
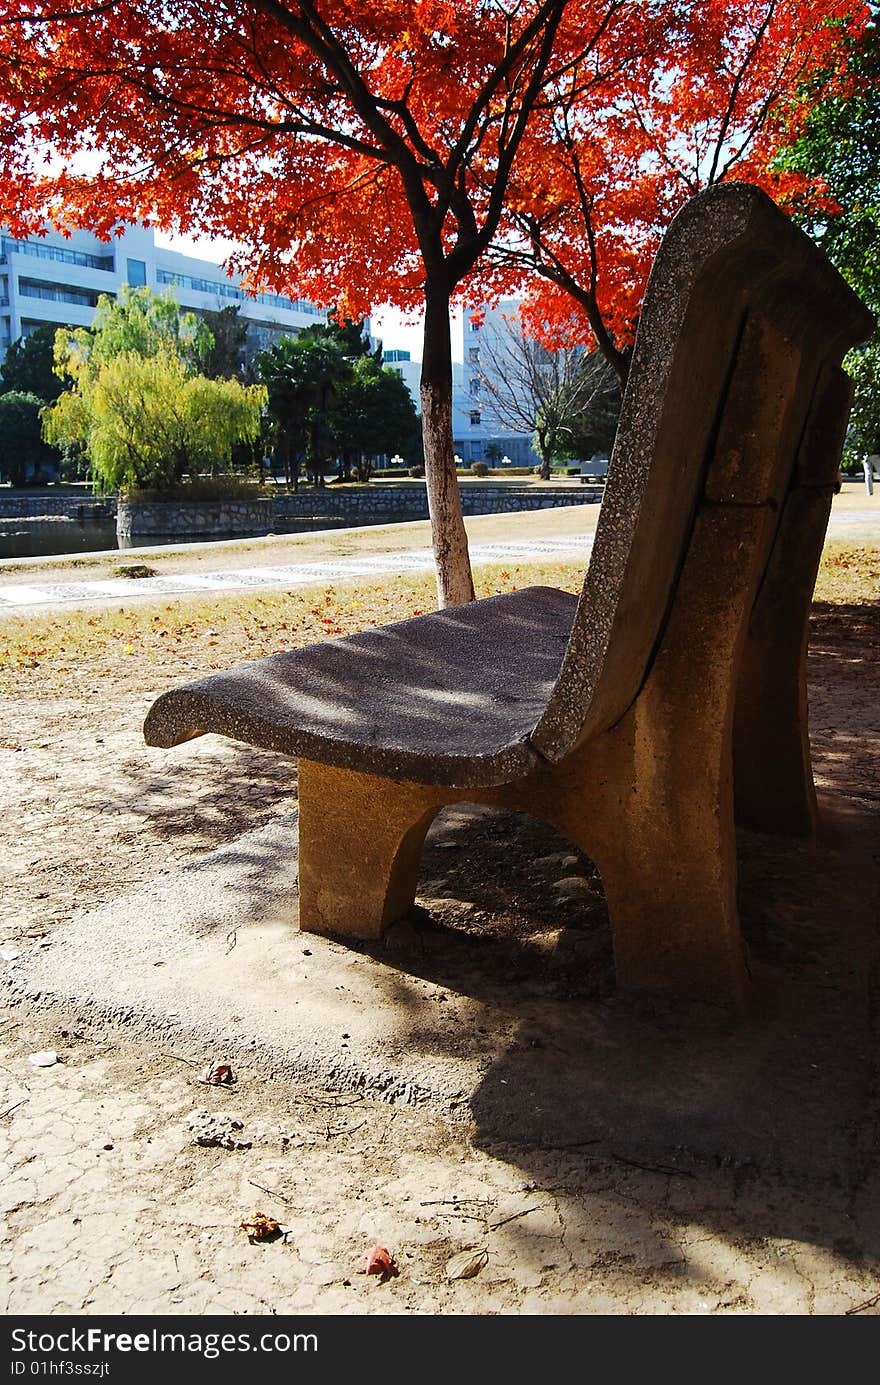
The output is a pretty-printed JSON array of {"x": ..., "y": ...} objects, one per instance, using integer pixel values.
[
  {"x": 114, "y": 589},
  {"x": 855, "y": 518}
]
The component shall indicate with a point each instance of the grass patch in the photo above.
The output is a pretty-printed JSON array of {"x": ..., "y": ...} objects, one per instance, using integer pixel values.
[
  {"x": 133, "y": 570},
  {"x": 157, "y": 642},
  {"x": 848, "y": 574}
]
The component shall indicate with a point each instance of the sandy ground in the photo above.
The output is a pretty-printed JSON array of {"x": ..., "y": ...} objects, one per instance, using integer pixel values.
[{"x": 126, "y": 1180}]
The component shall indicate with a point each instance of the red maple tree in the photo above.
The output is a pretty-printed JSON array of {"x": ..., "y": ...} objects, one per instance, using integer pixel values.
[
  {"x": 359, "y": 152},
  {"x": 611, "y": 160},
  {"x": 362, "y": 150}
]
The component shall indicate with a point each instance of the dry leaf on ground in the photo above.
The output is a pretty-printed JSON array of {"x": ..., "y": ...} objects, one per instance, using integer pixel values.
[
  {"x": 217, "y": 1075},
  {"x": 467, "y": 1263},
  {"x": 378, "y": 1260},
  {"x": 260, "y": 1227}
]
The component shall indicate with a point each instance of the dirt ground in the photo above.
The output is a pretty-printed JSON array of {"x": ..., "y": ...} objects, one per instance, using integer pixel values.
[{"x": 126, "y": 1179}]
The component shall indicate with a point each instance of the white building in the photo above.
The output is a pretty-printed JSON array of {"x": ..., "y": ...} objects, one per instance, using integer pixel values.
[
  {"x": 475, "y": 423},
  {"x": 59, "y": 280}
]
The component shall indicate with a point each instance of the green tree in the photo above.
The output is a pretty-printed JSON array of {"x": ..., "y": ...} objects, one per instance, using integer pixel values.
[
  {"x": 138, "y": 321},
  {"x": 21, "y": 440},
  {"x": 372, "y": 413},
  {"x": 494, "y": 452},
  {"x": 840, "y": 150},
  {"x": 138, "y": 409},
  {"x": 303, "y": 375},
  {"x": 29, "y": 365},
  {"x": 147, "y": 422},
  {"x": 863, "y": 438},
  {"x": 221, "y": 359}
]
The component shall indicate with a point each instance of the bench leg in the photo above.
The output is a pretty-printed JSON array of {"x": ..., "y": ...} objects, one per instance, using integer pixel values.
[
  {"x": 774, "y": 774},
  {"x": 360, "y": 842},
  {"x": 656, "y": 802},
  {"x": 670, "y": 881},
  {"x": 660, "y": 829}
]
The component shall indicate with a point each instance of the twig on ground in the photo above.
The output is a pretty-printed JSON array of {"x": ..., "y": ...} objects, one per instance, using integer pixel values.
[
  {"x": 14, "y": 1107},
  {"x": 330, "y": 1133},
  {"x": 177, "y": 1058},
  {"x": 652, "y": 1168},
  {"x": 334, "y": 1101},
  {"x": 271, "y": 1192},
  {"x": 515, "y": 1216},
  {"x": 860, "y": 1307},
  {"x": 384, "y": 1136},
  {"x": 457, "y": 1202}
]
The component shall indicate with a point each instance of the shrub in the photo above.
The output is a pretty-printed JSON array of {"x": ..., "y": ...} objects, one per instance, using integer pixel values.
[{"x": 479, "y": 469}]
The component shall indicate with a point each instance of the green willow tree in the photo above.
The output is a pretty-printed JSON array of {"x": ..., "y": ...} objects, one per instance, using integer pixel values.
[
  {"x": 138, "y": 408},
  {"x": 145, "y": 423}
]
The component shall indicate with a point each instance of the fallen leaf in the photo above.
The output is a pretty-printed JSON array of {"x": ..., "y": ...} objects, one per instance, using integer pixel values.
[
  {"x": 217, "y": 1075},
  {"x": 467, "y": 1263},
  {"x": 47, "y": 1058},
  {"x": 259, "y": 1227},
  {"x": 378, "y": 1260}
]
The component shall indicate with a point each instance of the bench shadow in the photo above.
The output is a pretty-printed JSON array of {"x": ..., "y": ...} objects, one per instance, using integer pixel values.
[{"x": 511, "y": 916}]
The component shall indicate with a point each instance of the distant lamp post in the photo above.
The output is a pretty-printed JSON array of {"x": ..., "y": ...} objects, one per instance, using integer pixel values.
[
  {"x": 397, "y": 460},
  {"x": 459, "y": 461},
  {"x": 505, "y": 460}
]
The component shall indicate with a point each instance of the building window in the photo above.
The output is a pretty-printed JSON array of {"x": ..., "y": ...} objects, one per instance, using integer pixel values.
[
  {"x": 57, "y": 293},
  {"x": 136, "y": 271},
  {"x": 8, "y": 246},
  {"x": 476, "y": 384},
  {"x": 224, "y": 288},
  {"x": 474, "y": 355},
  {"x": 476, "y": 417}
]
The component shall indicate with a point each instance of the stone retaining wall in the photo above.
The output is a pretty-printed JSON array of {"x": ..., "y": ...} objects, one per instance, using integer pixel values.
[
  {"x": 38, "y": 505},
  {"x": 136, "y": 521}
]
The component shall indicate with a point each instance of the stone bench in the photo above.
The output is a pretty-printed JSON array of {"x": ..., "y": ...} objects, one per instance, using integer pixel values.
[
  {"x": 645, "y": 716},
  {"x": 593, "y": 471}
]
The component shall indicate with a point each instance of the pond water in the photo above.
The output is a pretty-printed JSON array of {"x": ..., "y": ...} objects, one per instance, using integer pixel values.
[{"x": 42, "y": 538}]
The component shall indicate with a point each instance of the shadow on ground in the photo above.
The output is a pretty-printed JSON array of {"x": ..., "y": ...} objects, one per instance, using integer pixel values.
[{"x": 502, "y": 979}]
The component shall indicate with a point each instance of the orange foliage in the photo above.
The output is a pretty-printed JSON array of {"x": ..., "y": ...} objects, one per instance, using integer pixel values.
[{"x": 714, "y": 88}]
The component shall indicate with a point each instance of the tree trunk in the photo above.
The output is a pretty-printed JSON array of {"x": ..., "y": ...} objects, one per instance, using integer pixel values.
[
  {"x": 544, "y": 449},
  {"x": 455, "y": 584}
]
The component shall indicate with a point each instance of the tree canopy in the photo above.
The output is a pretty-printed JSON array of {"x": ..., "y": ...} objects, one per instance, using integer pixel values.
[
  {"x": 138, "y": 409},
  {"x": 838, "y": 148},
  {"x": 609, "y": 162},
  {"x": 357, "y": 152},
  {"x": 364, "y": 153},
  {"x": 29, "y": 365}
]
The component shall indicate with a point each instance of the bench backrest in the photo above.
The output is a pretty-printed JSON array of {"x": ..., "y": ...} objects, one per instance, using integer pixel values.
[{"x": 743, "y": 323}]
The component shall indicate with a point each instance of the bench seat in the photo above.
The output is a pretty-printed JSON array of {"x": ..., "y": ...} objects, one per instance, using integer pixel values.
[{"x": 445, "y": 698}]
